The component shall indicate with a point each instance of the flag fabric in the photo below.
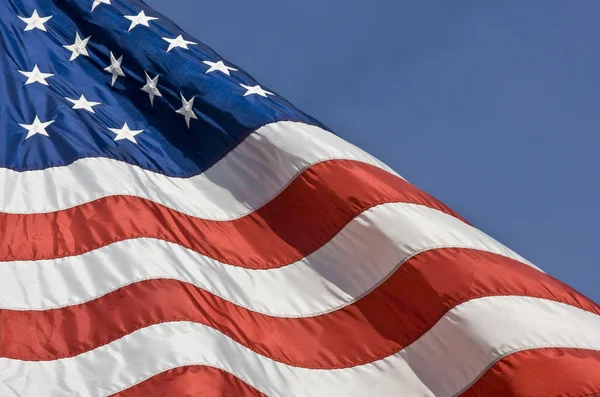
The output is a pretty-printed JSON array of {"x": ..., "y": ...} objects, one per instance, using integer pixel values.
[{"x": 169, "y": 226}]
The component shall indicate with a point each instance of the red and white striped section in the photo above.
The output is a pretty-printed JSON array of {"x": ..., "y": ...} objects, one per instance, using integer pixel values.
[
  {"x": 365, "y": 252},
  {"x": 297, "y": 266},
  {"x": 446, "y": 360}
]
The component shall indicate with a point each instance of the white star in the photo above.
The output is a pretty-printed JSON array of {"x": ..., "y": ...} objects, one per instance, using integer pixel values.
[
  {"x": 35, "y": 76},
  {"x": 220, "y": 66},
  {"x": 37, "y": 127},
  {"x": 78, "y": 48},
  {"x": 83, "y": 103},
  {"x": 140, "y": 19},
  {"x": 98, "y": 2},
  {"x": 126, "y": 133},
  {"x": 115, "y": 68},
  {"x": 187, "y": 110},
  {"x": 151, "y": 88},
  {"x": 178, "y": 41},
  {"x": 35, "y": 21},
  {"x": 256, "y": 90}
]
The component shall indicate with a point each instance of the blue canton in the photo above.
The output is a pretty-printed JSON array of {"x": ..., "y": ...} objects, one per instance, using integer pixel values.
[{"x": 123, "y": 82}]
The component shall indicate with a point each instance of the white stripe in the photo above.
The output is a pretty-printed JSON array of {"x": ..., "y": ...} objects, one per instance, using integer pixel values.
[
  {"x": 442, "y": 363},
  {"x": 473, "y": 336},
  {"x": 355, "y": 261},
  {"x": 245, "y": 179}
]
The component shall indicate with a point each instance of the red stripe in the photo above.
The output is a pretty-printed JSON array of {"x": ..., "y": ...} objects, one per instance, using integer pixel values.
[
  {"x": 302, "y": 218},
  {"x": 394, "y": 315},
  {"x": 542, "y": 373},
  {"x": 192, "y": 381}
]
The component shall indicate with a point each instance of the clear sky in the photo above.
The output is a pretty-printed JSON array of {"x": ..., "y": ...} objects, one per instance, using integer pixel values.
[{"x": 492, "y": 107}]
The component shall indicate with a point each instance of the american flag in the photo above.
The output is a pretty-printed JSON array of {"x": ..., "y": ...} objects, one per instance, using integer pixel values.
[{"x": 171, "y": 227}]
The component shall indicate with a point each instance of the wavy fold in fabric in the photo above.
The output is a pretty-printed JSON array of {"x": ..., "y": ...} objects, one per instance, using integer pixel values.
[{"x": 169, "y": 226}]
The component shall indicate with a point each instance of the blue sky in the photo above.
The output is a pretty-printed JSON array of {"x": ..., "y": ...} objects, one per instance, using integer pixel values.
[{"x": 492, "y": 107}]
